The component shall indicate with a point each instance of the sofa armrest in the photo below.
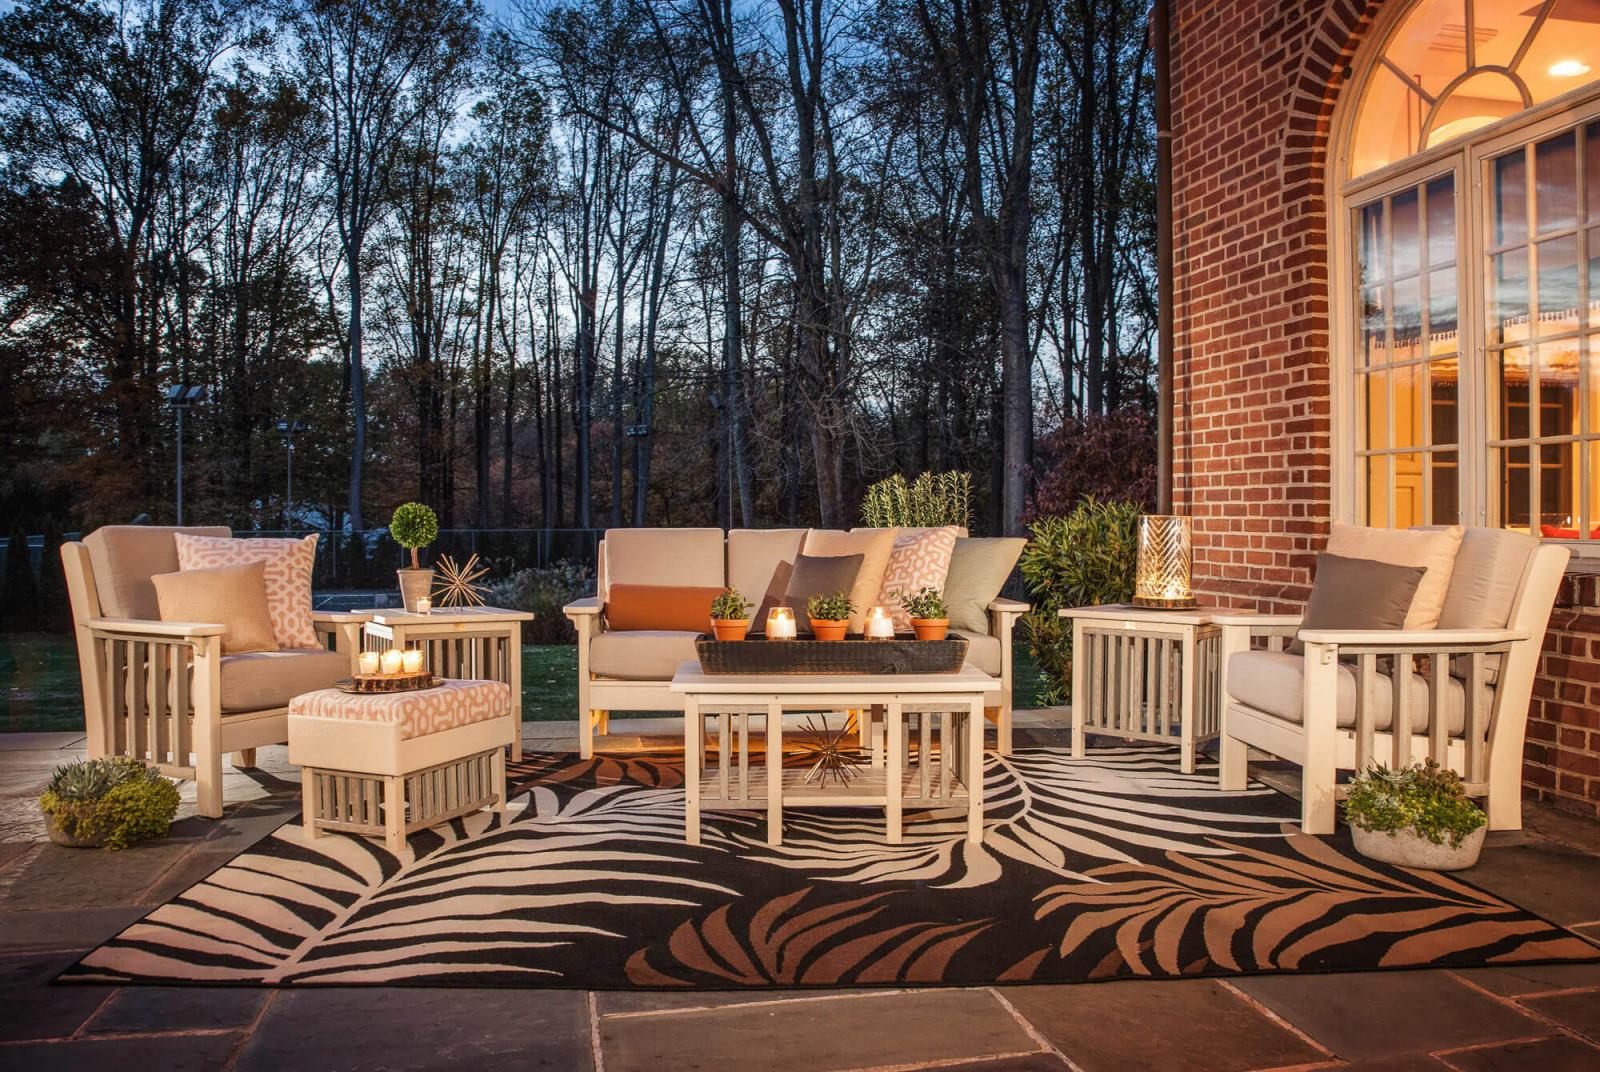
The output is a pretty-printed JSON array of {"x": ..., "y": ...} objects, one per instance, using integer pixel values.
[
  {"x": 1417, "y": 641},
  {"x": 134, "y": 628},
  {"x": 589, "y": 607},
  {"x": 1009, "y": 606},
  {"x": 332, "y": 618}
]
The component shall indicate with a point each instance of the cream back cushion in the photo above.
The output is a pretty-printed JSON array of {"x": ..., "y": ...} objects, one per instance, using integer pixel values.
[
  {"x": 1434, "y": 550},
  {"x": 759, "y": 564},
  {"x": 234, "y": 597},
  {"x": 664, "y": 556},
  {"x": 875, "y": 546},
  {"x": 125, "y": 557},
  {"x": 288, "y": 564}
]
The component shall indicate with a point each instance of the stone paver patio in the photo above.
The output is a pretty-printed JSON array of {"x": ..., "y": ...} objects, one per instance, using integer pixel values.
[{"x": 58, "y": 903}]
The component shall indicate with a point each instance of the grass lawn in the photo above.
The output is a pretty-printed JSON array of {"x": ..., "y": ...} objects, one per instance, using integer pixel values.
[{"x": 39, "y": 677}]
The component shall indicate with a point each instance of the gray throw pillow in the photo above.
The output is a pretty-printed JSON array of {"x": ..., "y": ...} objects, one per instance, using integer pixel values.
[
  {"x": 979, "y": 569},
  {"x": 1359, "y": 593},
  {"x": 816, "y": 575}
]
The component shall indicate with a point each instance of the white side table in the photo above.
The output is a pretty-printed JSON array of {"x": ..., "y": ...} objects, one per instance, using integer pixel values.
[
  {"x": 1146, "y": 675},
  {"x": 481, "y": 643}
]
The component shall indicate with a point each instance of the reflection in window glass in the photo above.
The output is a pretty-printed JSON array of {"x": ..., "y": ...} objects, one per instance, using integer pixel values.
[
  {"x": 1558, "y": 489},
  {"x": 1442, "y": 312},
  {"x": 1515, "y": 487},
  {"x": 1558, "y": 388},
  {"x": 1509, "y": 300},
  {"x": 1558, "y": 285},
  {"x": 1378, "y": 410},
  {"x": 1378, "y": 491},
  {"x": 1446, "y": 497},
  {"x": 1441, "y": 222},
  {"x": 1555, "y": 167},
  {"x": 1514, "y": 379},
  {"x": 1443, "y": 380},
  {"x": 1511, "y": 199}
]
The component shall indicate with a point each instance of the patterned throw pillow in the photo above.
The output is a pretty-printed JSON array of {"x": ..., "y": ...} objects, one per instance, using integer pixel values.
[
  {"x": 288, "y": 574},
  {"x": 920, "y": 559}
]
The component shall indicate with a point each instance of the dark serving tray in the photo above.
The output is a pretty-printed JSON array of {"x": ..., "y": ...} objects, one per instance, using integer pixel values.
[{"x": 854, "y": 655}]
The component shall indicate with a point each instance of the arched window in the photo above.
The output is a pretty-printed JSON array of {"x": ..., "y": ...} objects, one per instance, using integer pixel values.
[{"x": 1468, "y": 304}]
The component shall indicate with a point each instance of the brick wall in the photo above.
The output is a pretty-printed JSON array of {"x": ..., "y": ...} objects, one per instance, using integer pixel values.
[{"x": 1254, "y": 87}]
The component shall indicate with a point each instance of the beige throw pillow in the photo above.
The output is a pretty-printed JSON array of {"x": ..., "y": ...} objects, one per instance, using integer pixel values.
[
  {"x": 979, "y": 569},
  {"x": 288, "y": 565},
  {"x": 873, "y": 545},
  {"x": 1433, "y": 549},
  {"x": 232, "y": 596},
  {"x": 920, "y": 559}
]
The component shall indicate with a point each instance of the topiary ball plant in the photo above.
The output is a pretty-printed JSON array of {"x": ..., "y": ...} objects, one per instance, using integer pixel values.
[
  {"x": 413, "y": 526},
  {"x": 112, "y": 802}
]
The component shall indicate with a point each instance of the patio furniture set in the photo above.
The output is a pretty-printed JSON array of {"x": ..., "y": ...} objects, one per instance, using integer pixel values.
[{"x": 193, "y": 645}]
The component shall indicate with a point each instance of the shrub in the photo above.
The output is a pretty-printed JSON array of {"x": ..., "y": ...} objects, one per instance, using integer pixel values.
[
  {"x": 926, "y": 604},
  {"x": 1426, "y": 796},
  {"x": 731, "y": 606},
  {"x": 1097, "y": 456},
  {"x": 933, "y": 499},
  {"x": 412, "y": 526},
  {"x": 116, "y": 799},
  {"x": 1086, "y": 558},
  {"x": 834, "y": 608},
  {"x": 543, "y": 591}
]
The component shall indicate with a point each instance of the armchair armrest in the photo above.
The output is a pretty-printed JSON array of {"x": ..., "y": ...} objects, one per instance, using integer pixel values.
[
  {"x": 340, "y": 617},
  {"x": 1258, "y": 621},
  {"x": 1008, "y": 606},
  {"x": 584, "y": 608},
  {"x": 137, "y": 627},
  {"x": 1422, "y": 641}
]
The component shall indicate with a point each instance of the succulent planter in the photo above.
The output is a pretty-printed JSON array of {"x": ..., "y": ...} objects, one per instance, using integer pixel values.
[
  {"x": 1407, "y": 848},
  {"x": 415, "y": 584},
  {"x": 930, "y": 628},
  {"x": 829, "y": 629},
  {"x": 52, "y": 826},
  {"x": 730, "y": 628}
]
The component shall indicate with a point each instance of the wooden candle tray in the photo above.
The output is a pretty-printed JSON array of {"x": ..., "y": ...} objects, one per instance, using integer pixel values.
[{"x": 382, "y": 683}]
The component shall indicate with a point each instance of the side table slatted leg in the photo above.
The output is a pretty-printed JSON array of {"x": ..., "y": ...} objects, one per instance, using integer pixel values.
[
  {"x": 308, "y": 803},
  {"x": 894, "y": 771},
  {"x": 774, "y": 773},
  {"x": 974, "y": 772},
  {"x": 394, "y": 814},
  {"x": 693, "y": 729}
]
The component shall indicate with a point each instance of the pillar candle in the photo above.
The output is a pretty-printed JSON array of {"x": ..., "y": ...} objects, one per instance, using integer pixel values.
[
  {"x": 391, "y": 661},
  {"x": 369, "y": 663},
  {"x": 411, "y": 660}
]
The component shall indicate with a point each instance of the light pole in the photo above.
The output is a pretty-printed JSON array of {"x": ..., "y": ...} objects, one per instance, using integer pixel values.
[
  {"x": 181, "y": 396},
  {"x": 288, "y": 430}
]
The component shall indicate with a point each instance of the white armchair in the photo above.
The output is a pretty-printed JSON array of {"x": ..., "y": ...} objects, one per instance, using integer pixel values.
[{"x": 1356, "y": 698}]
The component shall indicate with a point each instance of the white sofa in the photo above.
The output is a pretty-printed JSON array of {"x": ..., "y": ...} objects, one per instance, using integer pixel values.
[{"x": 630, "y": 670}]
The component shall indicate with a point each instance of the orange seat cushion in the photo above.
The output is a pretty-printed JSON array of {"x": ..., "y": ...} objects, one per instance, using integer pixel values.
[{"x": 659, "y": 606}]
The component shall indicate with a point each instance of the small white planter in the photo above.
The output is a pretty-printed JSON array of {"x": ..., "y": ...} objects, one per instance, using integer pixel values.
[{"x": 1407, "y": 848}]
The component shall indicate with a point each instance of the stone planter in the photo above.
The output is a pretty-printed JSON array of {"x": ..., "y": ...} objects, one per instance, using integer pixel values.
[
  {"x": 415, "y": 584},
  {"x": 1407, "y": 848},
  {"x": 52, "y": 826}
]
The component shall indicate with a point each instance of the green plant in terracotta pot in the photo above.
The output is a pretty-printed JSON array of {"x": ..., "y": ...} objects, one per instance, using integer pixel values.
[
  {"x": 1418, "y": 816},
  {"x": 414, "y": 526},
  {"x": 830, "y": 615},
  {"x": 730, "y": 615},
  {"x": 930, "y": 618},
  {"x": 110, "y": 802}
]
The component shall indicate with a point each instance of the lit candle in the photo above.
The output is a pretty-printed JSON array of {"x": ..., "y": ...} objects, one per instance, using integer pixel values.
[
  {"x": 780, "y": 624},
  {"x": 424, "y": 604},
  {"x": 391, "y": 661},
  {"x": 369, "y": 663},
  {"x": 879, "y": 625},
  {"x": 411, "y": 660}
]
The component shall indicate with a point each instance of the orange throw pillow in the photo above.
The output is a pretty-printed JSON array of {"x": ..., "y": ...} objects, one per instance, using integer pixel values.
[{"x": 660, "y": 606}]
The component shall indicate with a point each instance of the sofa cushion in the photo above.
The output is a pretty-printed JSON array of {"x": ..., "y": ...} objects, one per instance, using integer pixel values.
[
  {"x": 979, "y": 569},
  {"x": 1273, "y": 682},
  {"x": 920, "y": 559},
  {"x": 233, "y": 596},
  {"x": 288, "y": 563},
  {"x": 125, "y": 557},
  {"x": 263, "y": 680},
  {"x": 641, "y": 654},
  {"x": 874, "y": 546},
  {"x": 1433, "y": 549},
  {"x": 983, "y": 651},
  {"x": 817, "y": 575},
  {"x": 663, "y": 556},
  {"x": 659, "y": 606},
  {"x": 759, "y": 564}
]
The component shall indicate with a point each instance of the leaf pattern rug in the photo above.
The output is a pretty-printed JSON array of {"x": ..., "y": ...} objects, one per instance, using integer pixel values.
[{"x": 1110, "y": 867}]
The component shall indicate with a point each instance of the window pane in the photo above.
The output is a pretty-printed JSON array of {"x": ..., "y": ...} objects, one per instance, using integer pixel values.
[
  {"x": 1410, "y": 503},
  {"x": 1441, "y": 221},
  {"x": 1510, "y": 199},
  {"x": 1371, "y": 244},
  {"x": 1508, "y": 318},
  {"x": 1443, "y": 380},
  {"x": 1403, "y": 214},
  {"x": 1374, "y": 345},
  {"x": 1593, "y": 423},
  {"x": 1378, "y": 492},
  {"x": 1558, "y": 388},
  {"x": 1555, "y": 168},
  {"x": 1591, "y": 170},
  {"x": 1407, "y": 319},
  {"x": 1558, "y": 486},
  {"x": 1446, "y": 490},
  {"x": 1408, "y": 402},
  {"x": 1558, "y": 285},
  {"x": 1514, "y": 487},
  {"x": 1442, "y": 312},
  {"x": 1377, "y": 410},
  {"x": 1514, "y": 393},
  {"x": 1591, "y": 521}
]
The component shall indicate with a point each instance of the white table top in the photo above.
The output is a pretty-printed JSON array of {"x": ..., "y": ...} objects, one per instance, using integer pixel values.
[
  {"x": 690, "y": 678},
  {"x": 447, "y": 615},
  {"x": 1127, "y": 612}
]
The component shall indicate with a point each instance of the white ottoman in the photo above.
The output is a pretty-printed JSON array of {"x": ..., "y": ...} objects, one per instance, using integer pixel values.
[{"x": 391, "y": 764}]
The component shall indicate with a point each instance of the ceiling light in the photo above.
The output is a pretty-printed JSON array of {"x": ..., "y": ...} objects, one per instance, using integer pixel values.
[{"x": 1568, "y": 68}]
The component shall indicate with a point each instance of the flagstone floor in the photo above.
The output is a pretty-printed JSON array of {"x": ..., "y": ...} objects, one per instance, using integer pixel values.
[{"x": 57, "y": 903}]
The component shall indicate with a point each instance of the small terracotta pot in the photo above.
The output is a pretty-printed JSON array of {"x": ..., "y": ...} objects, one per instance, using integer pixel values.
[
  {"x": 930, "y": 628},
  {"x": 730, "y": 628},
  {"x": 829, "y": 630}
]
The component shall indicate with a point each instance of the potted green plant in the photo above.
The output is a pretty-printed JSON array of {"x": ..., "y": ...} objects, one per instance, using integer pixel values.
[
  {"x": 414, "y": 526},
  {"x": 930, "y": 618},
  {"x": 1418, "y": 816},
  {"x": 830, "y": 615},
  {"x": 730, "y": 615},
  {"x": 110, "y": 802}
]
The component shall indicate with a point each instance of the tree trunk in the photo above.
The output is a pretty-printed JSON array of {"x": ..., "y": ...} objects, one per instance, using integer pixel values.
[{"x": 358, "y": 390}]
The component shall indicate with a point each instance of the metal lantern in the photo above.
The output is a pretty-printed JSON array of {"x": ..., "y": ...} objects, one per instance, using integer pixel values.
[{"x": 1165, "y": 549}]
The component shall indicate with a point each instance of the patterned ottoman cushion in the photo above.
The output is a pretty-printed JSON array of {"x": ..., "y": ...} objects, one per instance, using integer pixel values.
[{"x": 452, "y": 703}]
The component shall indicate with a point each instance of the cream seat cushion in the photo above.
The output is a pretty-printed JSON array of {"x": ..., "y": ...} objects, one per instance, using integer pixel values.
[
  {"x": 125, "y": 557},
  {"x": 261, "y": 680},
  {"x": 641, "y": 654},
  {"x": 692, "y": 557},
  {"x": 1273, "y": 682},
  {"x": 1432, "y": 549},
  {"x": 875, "y": 546},
  {"x": 983, "y": 651}
]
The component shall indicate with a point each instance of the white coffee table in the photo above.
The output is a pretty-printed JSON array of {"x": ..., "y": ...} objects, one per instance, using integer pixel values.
[{"x": 957, "y": 700}]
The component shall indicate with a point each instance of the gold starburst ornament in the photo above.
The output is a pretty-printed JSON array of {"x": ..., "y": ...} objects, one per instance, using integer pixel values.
[
  {"x": 825, "y": 750},
  {"x": 457, "y": 586}
]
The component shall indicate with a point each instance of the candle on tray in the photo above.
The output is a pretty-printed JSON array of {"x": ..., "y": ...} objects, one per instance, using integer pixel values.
[
  {"x": 424, "y": 604},
  {"x": 879, "y": 626},
  {"x": 780, "y": 624},
  {"x": 369, "y": 663},
  {"x": 391, "y": 661},
  {"x": 411, "y": 660}
]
